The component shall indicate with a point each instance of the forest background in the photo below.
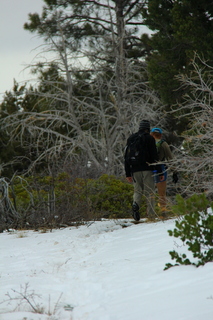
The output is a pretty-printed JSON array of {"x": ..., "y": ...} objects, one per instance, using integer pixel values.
[{"x": 63, "y": 139}]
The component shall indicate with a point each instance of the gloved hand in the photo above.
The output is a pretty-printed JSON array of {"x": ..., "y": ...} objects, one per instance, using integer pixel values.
[{"x": 175, "y": 177}]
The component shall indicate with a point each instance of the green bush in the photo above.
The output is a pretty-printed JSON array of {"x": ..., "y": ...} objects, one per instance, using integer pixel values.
[
  {"x": 110, "y": 196},
  {"x": 195, "y": 229},
  {"x": 64, "y": 200}
]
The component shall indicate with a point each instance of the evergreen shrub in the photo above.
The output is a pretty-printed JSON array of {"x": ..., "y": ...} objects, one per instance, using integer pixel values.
[
  {"x": 110, "y": 196},
  {"x": 195, "y": 229},
  {"x": 63, "y": 200}
]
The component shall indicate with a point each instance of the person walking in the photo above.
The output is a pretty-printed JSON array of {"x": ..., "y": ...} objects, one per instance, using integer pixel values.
[
  {"x": 164, "y": 154},
  {"x": 140, "y": 155}
]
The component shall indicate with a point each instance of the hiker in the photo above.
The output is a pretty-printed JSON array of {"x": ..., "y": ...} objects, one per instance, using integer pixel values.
[
  {"x": 139, "y": 167},
  {"x": 164, "y": 154}
]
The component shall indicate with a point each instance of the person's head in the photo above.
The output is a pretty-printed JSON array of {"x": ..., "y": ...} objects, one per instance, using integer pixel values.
[
  {"x": 156, "y": 133},
  {"x": 144, "y": 126}
]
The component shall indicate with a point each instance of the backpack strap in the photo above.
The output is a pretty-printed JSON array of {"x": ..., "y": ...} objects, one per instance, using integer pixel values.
[{"x": 159, "y": 143}]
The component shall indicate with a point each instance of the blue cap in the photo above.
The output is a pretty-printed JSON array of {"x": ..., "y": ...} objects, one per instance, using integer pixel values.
[{"x": 157, "y": 130}]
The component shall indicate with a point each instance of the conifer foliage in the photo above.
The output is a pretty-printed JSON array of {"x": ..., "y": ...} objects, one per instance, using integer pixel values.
[
  {"x": 195, "y": 229},
  {"x": 180, "y": 28}
]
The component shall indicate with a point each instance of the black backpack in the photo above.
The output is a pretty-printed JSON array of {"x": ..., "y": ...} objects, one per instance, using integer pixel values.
[{"x": 135, "y": 151}]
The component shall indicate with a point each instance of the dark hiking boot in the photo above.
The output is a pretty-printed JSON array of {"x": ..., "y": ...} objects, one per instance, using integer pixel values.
[{"x": 135, "y": 211}]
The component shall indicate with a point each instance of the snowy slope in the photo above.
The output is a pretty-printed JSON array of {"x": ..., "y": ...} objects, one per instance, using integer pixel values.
[{"x": 101, "y": 272}]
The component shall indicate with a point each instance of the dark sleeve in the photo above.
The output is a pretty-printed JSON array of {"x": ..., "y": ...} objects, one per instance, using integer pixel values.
[
  {"x": 126, "y": 165},
  {"x": 153, "y": 154},
  {"x": 127, "y": 169}
]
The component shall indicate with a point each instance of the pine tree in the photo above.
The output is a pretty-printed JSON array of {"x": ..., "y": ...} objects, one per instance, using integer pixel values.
[{"x": 180, "y": 28}]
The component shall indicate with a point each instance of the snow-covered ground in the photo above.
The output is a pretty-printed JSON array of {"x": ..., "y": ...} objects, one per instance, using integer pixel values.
[{"x": 101, "y": 271}]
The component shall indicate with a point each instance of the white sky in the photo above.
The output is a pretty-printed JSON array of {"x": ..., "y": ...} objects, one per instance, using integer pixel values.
[{"x": 17, "y": 44}]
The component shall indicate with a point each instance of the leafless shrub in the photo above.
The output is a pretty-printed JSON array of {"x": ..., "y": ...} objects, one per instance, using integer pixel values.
[
  {"x": 194, "y": 159},
  {"x": 27, "y": 299}
]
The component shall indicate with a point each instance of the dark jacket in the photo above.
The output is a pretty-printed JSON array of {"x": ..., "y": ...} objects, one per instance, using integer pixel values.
[{"x": 151, "y": 157}]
